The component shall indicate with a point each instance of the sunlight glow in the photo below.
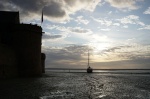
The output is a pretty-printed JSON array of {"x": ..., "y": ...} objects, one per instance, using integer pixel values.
[{"x": 99, "y": 43}]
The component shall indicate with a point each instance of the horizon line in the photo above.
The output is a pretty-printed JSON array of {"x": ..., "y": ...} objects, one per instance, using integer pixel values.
[{"x": 93, "y": 69}]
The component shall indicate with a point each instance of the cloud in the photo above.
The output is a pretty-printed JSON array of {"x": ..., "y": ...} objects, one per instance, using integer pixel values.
[
  {"x": 102, "y": 3},
  {"x": 48, "y": 36},
  {"x": 50, "y": 27},
  {"x": 110, "y": 12},
  {"x": 79, "y": 30},
  {"x": 76, "y": 5},
  {"x": 124, "y": 4},
  {"x": 103, "y": 21},
  {"x": 147, "y": 27},
  {"x": 54, "y": 10},
  {"x": 75, "y": 56},
  {"x": 71, "y": 56},
  {"x": 54, "y": 39},
  {"x": 131, "y": 19},
  {"x": 105, "y": 29},
  {"x": 69, "y": 29},
  {"x": 81, "y": 20},
  {"x": 32, "y": 9},
  {"x": 147, "y": 11},
  {"x": 116, "y": 24},
  {"x": 125, "y": 26},
  {"x": 126, "y": 52}
]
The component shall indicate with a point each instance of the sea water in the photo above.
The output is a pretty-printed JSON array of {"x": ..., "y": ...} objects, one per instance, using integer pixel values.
[{"x": 64, "y": 85}]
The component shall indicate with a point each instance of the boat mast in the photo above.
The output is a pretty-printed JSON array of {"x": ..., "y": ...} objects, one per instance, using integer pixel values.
[{"x": 88, "y": 59}]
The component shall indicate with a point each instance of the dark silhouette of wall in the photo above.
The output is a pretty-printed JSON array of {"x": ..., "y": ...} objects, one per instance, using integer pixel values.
[
  {"x": 43, "y": 57},
  {"x": 9, "y": 17},
  {"x": 27, "y": 45},
  {"x": 8, "y": 62},
  {"x": 24, "y": 44}
]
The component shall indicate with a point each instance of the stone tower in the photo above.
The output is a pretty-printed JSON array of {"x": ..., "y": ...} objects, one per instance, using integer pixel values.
[{"x": 24, "y": 41}]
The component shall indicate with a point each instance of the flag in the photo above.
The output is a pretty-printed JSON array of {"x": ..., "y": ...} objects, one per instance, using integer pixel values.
[{"x": 42, "y": 17}]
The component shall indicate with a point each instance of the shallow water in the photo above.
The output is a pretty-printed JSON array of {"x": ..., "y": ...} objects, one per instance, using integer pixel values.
[{"x": 78, "y": 86}]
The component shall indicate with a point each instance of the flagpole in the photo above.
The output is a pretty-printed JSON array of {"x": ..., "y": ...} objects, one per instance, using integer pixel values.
[{"x": 42, "y": 17}]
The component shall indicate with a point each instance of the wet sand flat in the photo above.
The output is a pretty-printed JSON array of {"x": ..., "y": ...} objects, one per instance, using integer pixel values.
[{"x": 77, "y": 86}]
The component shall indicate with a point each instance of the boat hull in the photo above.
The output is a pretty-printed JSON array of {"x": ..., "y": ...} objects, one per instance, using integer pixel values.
[{"x": 89, "y": 70}]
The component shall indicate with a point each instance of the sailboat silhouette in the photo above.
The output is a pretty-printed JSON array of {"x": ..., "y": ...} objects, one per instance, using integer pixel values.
[{"x": 89, "y": 69}]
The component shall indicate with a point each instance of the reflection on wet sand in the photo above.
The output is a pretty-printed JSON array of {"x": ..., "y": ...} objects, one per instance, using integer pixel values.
[{"x": 78, "y": 86}]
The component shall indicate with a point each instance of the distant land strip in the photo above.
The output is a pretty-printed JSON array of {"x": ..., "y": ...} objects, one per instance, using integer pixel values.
[{"x": 85, "y": 69}]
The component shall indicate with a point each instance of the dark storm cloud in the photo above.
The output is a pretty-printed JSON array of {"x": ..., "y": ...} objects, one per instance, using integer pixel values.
[
  {"x": 29, "y": 5},
  {"x": 73, "y": 52},
  {"x": 77, "y": 49},
  {"x": 24, "y": 6},
  {"x": 54, "y": 9},
  {"x": 67, "y": 56},
  {"x": 1, "y": 5},
  {"x": 51, "y": 8},
  {"x": 62, "y": 54}
]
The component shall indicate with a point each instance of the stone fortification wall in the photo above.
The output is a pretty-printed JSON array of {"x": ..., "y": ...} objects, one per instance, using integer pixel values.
[
  {"x": 27, "y": 45},
  {"x": 20, "y": 47},
  {"x": 8, "y": 62},
  {"x": 43, "y": 57}
]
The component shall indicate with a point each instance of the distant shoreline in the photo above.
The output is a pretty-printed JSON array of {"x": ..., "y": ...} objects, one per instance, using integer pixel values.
[
  {"x": 85, "y": 69},
  {"x": 102, "y": 71}
]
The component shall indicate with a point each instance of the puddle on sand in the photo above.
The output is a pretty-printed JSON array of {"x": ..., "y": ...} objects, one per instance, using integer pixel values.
[{"x": 101, "y": 96}]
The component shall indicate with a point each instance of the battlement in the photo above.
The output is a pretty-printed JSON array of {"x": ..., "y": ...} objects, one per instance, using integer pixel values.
[{"x": 27, "y": 27}]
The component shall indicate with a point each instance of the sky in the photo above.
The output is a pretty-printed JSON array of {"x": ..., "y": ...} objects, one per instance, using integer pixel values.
[{"x": 116, "y": 32}]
